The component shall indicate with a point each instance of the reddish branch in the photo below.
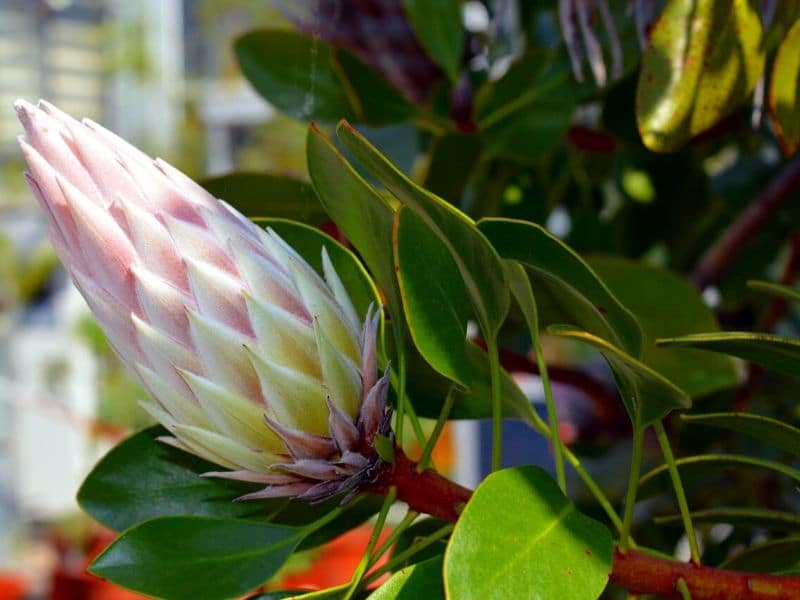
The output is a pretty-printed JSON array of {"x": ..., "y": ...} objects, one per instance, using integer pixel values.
[
  {"x": 639, "y": 573},
  {"x": 718, "y": 258}
]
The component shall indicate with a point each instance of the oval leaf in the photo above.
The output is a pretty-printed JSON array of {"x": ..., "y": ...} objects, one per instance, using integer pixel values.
[
  {"x": 556, "y": 270},
  {"x": 781, "y": 557},
  {"x": 196, "y": 557},
  {"x": 773, "y": 351},
  {"x": 770, "y": 431},
  {"x": 784, "y": 91},
  {"x": 142, "y": 478},
  {"x": 647, "y": 395},
  {"x": 702, "y": 61},
  {"x": 266, "y": 195},
  {"x": 519, "y": 533},
  {"x": 295, "y": 73}
]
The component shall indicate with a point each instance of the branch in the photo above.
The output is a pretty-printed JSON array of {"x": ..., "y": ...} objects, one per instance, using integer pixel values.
[
  {"x": 715, "y": 262},
  {"x": 639, "y": 573}
]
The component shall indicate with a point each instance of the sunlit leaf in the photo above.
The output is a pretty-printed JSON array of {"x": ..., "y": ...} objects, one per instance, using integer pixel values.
[
  {"x": 784, "y": 92},
  {"x": 519, "y": 533},
  {"x": 772, "y": 351},
  {"x": 702, "y": 61},
  {"x": 770, "y": 431}
]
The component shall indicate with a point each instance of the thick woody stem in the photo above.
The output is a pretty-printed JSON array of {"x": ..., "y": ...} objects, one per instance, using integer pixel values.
[{"x": 639, "y": 573}]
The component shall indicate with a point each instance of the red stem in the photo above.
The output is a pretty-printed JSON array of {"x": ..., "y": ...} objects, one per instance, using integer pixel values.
[{"x": 429, "y": 492}]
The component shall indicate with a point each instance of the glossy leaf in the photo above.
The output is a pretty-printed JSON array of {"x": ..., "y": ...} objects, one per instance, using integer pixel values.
[
  {"x": 772, "y": 351},
  {"x": 702, "y": 61},
  {"x": 142, "y": 478},
  {"x": 434, "y": 296},
  {"x": 781, "y": 557},
  {"x": 267, "y": 195},
  {"x": 665, "y": 304},
  {"x": 358, "y": 210},
  {"x": 770, "y": 431},
  {"x": 438, "y": 26},
  {"x": 196, "y": 557},
  {"x": 520, "y": 533},
  {"x": 775, "y": 289},
  {"x": 421, "y": 580},
  {"x": 476, "y": 259},
  {"x": 309, "y": 241},
  {"x": 784, "y": 91},
  {"x": 647, "y": 395},
  {"x": 701, "y": 467},
  {"x": 583, "y": 299},
  {"x": 295, "y": 73},
  {"x": 526, "y": 112},
  {"x": 757, "y": 518}
]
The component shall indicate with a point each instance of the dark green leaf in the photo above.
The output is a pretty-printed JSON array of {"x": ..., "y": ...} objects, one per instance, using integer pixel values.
[
  {"x": 265, "y": 195},
  {"x": 526, "y": 112},
  {"x": 781, "y": 557},
  {"x": 775, "y": 289},
  {"x": 519, "y": 533},
  {"x": 770, "y": 431},
  {"x": 772, "y": 351},
  {"x": 666, "y": 305},
  {"x": 196, "y": 557},
  {"x": 309, "y": 242},
  {"x": 757, "y": 518},
  {"x": 295, "y": 73},
  {"x": 434, "y": 296},
  {"x": 583, "y": 299},
  {"x": 375, "y": 100},
  {"x": 702, "y": 61},
  {"x": 476, "y": 259},
  {"x": 418, "y": 530},
  {"x": 647, "y": 395},
  {"x": 453, "y": 158},
  {"x": 421, "y": 580},
  {"x": 439, "y": 30},
  {"x": 784, "y": 91},
  {"x": 142, "y": 478},
  {"x": 702, "y": 467}
]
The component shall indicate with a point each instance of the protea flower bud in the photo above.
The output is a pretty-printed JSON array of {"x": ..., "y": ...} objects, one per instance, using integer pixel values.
[{"x": 253, "y": 361}]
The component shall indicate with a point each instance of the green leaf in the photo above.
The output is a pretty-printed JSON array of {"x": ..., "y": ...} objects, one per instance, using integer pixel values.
[
  {"x": 519, "y": 533},
  {"x": 196, "y": 557},
  {"x": 266, "y": 195},
  {"x": 453, "y": 159},
  {"x": 526, "y": 112},
  {"x": 439, "y": 29},
  {"x": 647, "y": 395},
  {"x": 775, "y": 289},
  {"x": 359, "y": 211},
  {"x": 666, "y": 305},
  {"x": 295, "y": 73},
  {"x": 701, "y": 467},
  {"x": 773, "y": 351},
  {"x": 770, "y": 431},
  {"x": 757, "y": 518},
  {"x": 309, "y": 242},
  {"x": 477, "y": 261},
  {"x": 784, "y": 92},
  {"x": 375, "y": 100},
  {"x": 781, "y": 557},
  {"x": 420, "y": 529},
  {"x": 702, "y": 61},
  {"x": 142, "y": 478},
  {"x": 422, "y": 580},
  {"x": 434, "y": 296},
  {"x": 557, "y": 271}
]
